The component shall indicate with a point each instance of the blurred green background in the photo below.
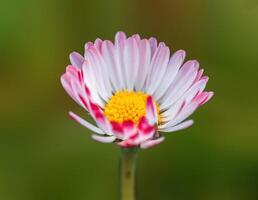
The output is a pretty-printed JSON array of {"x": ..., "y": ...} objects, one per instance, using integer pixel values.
[{"x": 46, "y": 156}]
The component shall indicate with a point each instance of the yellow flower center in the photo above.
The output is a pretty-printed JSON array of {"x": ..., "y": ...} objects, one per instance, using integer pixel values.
[{"x": 125, "y": 105}]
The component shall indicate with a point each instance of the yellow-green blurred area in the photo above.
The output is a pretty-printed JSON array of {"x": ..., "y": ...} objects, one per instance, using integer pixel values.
[{"x": 46, "y": 156}]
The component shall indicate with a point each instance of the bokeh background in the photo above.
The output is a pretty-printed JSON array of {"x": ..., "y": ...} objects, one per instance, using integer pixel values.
[{"x": 46, "y": 156}]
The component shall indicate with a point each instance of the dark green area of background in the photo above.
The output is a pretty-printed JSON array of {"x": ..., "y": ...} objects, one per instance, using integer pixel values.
[{"x": 45, "y": 156}]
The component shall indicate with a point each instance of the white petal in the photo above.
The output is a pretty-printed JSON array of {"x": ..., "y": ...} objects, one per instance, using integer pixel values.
[
  {"x": 159, "y": 65},
  {"x": 85, "y": 123},
  {"x": 198, "y": 87},
  {"x": 171, "y": 113},
  {"x": 144, "y": 64},
  {"x": 76, "y": 59},
  {"x": 178, "y": 127},
  {"x": 153, "y": 44},
  {"x": 99, "y": 68},
  {"x": 131, "y": 62},
  {"x": 108, "y": 51},
  {"x": 104, "y": 139},
  {"x": 182, "y": 115},
  {"x": 137, "y": 37},
  {"x": 104, "y": 62},
  {"x": 174, "y": 64},
  {"x": 90, "y": 81},
  {"x": 98, "y": 43},
  {"x": 151, "y": 143},
  {"x": 119, "y": 49},
  {"x": 120, "y": 36},
  {"x": 182, "y": 82}
]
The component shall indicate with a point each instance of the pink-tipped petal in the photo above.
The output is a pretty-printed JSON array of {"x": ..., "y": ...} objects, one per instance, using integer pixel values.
[
  {"x": 118, "y": 130},
  {"x": 67, "y": 86},
  {"x": 85, "y": 123},
  {"x": 199, "y": 75},
  {"x": 210, "y": 95},
  {"x": 145, "y": 131},
  {"x": 127, "y": 144},
  {"x": 79, "y": 94},
  {"x": 151, "y": 111},
  {"x": 151, "y": 143},
  {"x": 88, "y": 45},
  {"x": 196, "y": 89},
  {"x": 100, "y": 118},
  {"x": 123, "y": 130},
  {"x": 72, "y": 81},
  {"x": 203, "y": 97},
  {"x": 129, "y": 129},
  {"x": 72, "y": 71}
]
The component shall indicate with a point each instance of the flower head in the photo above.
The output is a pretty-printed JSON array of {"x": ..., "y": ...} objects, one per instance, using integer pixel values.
[{"x": 134, "y": 89}]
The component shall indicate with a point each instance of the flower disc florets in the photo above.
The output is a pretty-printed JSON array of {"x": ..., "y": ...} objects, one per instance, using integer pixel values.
[{"x": 126, "y": 106}]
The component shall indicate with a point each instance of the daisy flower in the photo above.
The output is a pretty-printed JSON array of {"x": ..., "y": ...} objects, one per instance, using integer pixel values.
[{"x": 134, "y": 89}]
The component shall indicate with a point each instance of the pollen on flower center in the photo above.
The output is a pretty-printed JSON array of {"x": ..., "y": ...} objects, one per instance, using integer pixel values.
[{"x": 125, "y": 105}]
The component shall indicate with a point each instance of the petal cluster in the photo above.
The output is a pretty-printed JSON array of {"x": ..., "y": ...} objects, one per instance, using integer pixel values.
[{"x": 138, "y": 65}]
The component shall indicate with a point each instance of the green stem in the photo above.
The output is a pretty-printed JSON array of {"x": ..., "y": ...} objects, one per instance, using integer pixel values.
[{"x": 127, "y": 173}]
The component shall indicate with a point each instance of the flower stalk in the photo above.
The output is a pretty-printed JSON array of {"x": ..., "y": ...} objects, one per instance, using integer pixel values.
[{"x": 127, "y": 165}]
